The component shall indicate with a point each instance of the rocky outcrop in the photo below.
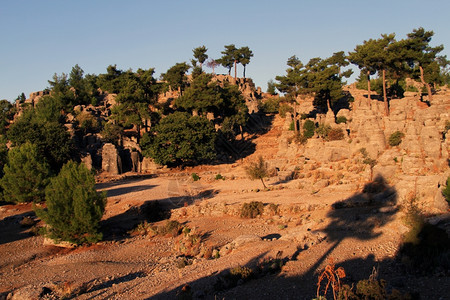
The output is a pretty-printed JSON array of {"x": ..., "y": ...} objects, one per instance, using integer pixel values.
[{"x": 111, "y": 161}]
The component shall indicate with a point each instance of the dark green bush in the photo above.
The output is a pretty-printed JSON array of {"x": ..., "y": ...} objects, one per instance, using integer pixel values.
[
  {"x": 308, "y": 129},
  {"x": 219, "y": 177},
  {"x": 26, "y": 175},
  {"x": 271, "y": 105},
  {"x": 171, "y": 227},
  {"x": 195, "y": 177},
  {"x": 74, "y": 207},
  {"x": 446, "y": 190},
  {"x": 396, "y": 138},
  {"x": 252, "y": 210}
]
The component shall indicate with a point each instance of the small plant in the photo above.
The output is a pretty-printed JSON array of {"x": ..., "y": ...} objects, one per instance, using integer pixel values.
[
  {"x": 273, "y": 208},
  {"x": 219, "y": 177},
  {"x": 195, "y": 177},
  {"x": 252, "y": 210},
  {"x": 396, "y": 138},
  {"x": 291, "y": 126},
  {"x": 341, "y": 119},
  {"x": 258, "y": 170},
  {"x": 323, "y": 130},
  {"x": 333, "y": 277},
  {"x": 171, "y": 227},
  {"x": 446, "y": 190},
  {"x": 308, "y": 129}
]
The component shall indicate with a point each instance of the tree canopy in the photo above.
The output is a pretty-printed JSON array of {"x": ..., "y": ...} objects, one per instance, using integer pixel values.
[{"x": 181, "y": 138}]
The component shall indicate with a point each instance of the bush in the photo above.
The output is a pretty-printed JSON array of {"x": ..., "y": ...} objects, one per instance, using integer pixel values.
[
  {"x": 271, "y": 105},
  {"x": 396, "y": 138},
  {"x": 341, "y": 119},
  {"x": 258, "y": 170},
  {"x": 308, "y": 129},
  {"x": 195, "y": 177},
  {"x": 74, "y": 207},
  {"x": 284, "y": 109},
  {"x": 335, "y": 134},
  {"x": 219, "y": 177},
  {"x": 252, "y": 209},
  {"x": 323, "y": 130},
  {"x": 26, "y": 175},
  {"x": 446, "y": 190}
]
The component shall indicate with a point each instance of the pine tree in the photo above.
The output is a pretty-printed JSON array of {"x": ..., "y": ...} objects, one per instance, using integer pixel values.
[
  {"x": 25, "y": 175},
  {"x": 74, "y": 207}
]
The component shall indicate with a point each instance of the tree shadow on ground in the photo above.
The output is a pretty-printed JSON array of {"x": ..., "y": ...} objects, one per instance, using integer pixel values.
[
  {"x": 231, "y": 151},
  {"x": 117, "y": 228},
  {"x": 129, "y": 189},
  {"x": 12, "y": 230},
  {"x": 361, "y": 217}
]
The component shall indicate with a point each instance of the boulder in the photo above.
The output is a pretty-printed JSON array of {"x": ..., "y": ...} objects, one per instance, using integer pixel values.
[{"x": 111, "y": 162}]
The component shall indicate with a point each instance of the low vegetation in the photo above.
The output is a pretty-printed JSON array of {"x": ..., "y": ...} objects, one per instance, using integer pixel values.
[
  {"x": 395, "y": 138},
  {"x": 252, "y": 210}
]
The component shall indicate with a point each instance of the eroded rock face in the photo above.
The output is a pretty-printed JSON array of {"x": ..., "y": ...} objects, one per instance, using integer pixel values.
[{"x": 111, "y": 161}]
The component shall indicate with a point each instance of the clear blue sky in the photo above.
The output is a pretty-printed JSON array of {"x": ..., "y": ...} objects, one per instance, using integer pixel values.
[{"x": 40, "y": 38}]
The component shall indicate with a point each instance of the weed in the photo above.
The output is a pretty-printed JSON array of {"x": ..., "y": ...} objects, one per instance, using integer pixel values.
[
  {"x": 273, "y": 208},
  {"x": 396, "y": 138},
  {"x": 171, "y": 227},
  {"x": 446, "y": 190},
  {"x": 252, "y": 210},
  {"x": 219, "y": 177},
  {"x": 195, "y": 177}
]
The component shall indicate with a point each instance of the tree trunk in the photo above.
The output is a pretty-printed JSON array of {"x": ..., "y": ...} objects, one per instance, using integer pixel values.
[
  {"x": 244, "y": 71},
  {"x": 235, "y": 70},
  {"x": 422, "y": 78},
  {"x": 386, "y": 105},
  {"x": 368, "y": 85},
  {"x": 263, "y": 183},
  {"x": 295, "y": 118}
]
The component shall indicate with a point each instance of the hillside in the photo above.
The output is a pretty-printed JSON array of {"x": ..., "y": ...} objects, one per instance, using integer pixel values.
[{"x": 323, "y": 202}]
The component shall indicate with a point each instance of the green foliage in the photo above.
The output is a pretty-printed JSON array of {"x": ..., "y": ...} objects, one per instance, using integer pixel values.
[
  {"x": 271, "y": 106},
  {"x": 258, "y": 170},
  {"x": 200, "y": 54},
  {"x": 341, "y": 119},
  {"x": 3, "y": 155},
  {"x": 180, "y": 139},
  {"x": 308, "y": 129},
  {"x": 74, "y": 207},
  {"x": 111, "y": 133},
  {"x": 51, "y": 138},
  {"x": 284, "y": 109},
  {"x": 195, "y": 177},
  {"x": 446, "y": 190},
  {"x": 252, "y": 210},
  {"x": 87, "y": 122},
  {"x": 271, "y": 88},
  {"x": 176, "y": 76},
  {"x": 219, "y": 177},
  {"x": 323, "y": 130},
  {"x": 396, "y": 138},
  {"x": 7, "y": 112},
  {"x": 25, "y": 175}
]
